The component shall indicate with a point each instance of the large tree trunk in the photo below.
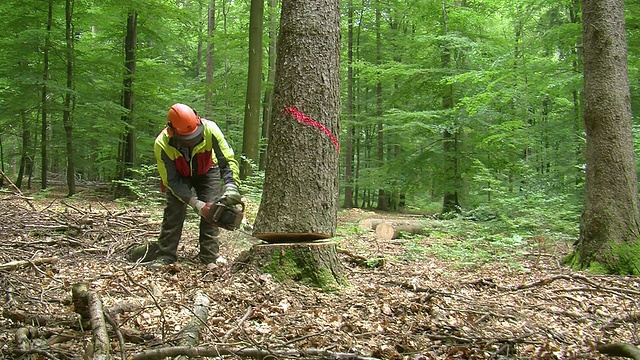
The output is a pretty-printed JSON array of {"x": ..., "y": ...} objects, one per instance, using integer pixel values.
[
  {"x": 609, "y": 223},
  {"x": 300, "y": 195},
  {"x": 251, "y": 133}
]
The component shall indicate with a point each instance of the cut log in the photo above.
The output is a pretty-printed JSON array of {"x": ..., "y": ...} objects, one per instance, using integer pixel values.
[
  {"x": 391, "y": 230},
  {"x": 312, "y": 263},
  {"x": 372, "y": 223}
]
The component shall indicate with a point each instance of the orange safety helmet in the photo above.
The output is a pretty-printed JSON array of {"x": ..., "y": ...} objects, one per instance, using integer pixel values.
[{"x": 183, "y": 122}]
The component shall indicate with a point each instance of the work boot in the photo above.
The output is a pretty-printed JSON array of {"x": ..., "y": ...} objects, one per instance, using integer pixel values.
[
  {"x": 159, "y": 263},
  {"x": 206, "y": 260},
  {"x": 142, "y": 253}
]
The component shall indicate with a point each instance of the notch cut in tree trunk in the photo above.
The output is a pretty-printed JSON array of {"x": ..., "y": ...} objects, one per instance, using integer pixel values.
[
  {"x": 311, "y": 263},
  {"x": 392, "y": 230}
]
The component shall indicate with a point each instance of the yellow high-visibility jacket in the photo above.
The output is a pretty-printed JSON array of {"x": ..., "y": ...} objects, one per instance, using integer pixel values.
[{"x": 179, "y": 166}]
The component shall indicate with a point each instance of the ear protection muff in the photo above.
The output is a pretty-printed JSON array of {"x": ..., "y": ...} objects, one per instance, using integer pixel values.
[{"x": 169, "y": 128}]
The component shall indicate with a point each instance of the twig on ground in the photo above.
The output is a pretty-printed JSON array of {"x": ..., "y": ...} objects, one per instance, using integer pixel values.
[
  {"x": 245, "y": 317},
  {"x": 17, "y": 190},
  {"x": 249, "y": 352},
  {"x": 18, "y": 263}
]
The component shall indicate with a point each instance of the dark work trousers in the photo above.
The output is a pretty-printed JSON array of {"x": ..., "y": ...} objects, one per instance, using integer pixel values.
[{"x": 208, "y": 189}]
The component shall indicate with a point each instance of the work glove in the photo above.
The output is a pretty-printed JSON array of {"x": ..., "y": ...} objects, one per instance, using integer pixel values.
[
  {"x": 231, "y": 195},
  {"x": 203, "y": 209}
]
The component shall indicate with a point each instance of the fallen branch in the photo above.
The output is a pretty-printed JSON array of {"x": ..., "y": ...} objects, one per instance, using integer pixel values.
[
  {"x": 18, "y": 192},
  {"x": 547, "y": 281},
  {"x": 245, "y": 317},
  {"x": 89, "y": 305},
  {"x": 23, "y": 337},
  {"x": 12, "y": 265},
  {"x": 194, "y": 352},
  {"x": 362, "y": 261},
  {"x": 190, "y": 335},
  {"x": 618, "y": 349}
]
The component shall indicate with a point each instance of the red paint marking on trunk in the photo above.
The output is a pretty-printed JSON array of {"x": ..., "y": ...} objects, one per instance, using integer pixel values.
[{"x": 304, "y": 119}]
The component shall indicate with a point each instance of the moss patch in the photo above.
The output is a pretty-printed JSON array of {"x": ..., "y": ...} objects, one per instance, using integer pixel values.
[
  {"x": 622, "y": 259},
  {"x": 302, "y": 267}
]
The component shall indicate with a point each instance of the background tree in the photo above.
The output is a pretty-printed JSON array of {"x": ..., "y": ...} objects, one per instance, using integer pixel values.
[
  {"x": 349, "y": 155},
  {"x": 609, "y": 226},
  {"x": 251, "y": 133},
  {"x": 300, "y": 195},
  {"x": 45, "y": 93},
  {"x": 128, "y": 153},
  {"x": 68, "y": 99},
  {"x": 267, "y": 104}
]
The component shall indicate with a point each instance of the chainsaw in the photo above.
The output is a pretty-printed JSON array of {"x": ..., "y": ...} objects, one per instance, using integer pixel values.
[{"x": 227, "y": 216}]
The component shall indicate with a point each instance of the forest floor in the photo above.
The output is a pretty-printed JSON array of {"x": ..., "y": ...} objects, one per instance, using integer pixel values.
[{"x": 420, "y": 297}]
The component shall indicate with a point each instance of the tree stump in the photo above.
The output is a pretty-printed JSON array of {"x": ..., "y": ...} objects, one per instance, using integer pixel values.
[
  {"x": 391, "y": 230},
  {"x": 312, "y": 263}
]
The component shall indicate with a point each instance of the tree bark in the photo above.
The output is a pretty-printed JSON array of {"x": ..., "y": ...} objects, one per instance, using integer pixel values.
[
  {"x": 610, "y": 217},
  {"x": 300, "y": 194}
]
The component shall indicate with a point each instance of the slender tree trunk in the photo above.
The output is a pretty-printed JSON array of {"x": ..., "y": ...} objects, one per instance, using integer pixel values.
[
  {"x": 383, "y": 196},
  {"x": 577, "y": 95},
  {"x": 45, "y": 78},
  {"x": 450, "y": 201},
  {"x": 67, "y": 115},
  {"x": 271, "y": 76},
  {"x": 129, "y": 143},
  {"x": 2, "y": 161},
  {"x": 201, "y": 40},
  {"x": 251, "y": 133},
  {"x": 227, "y": 120},
  {"x": 211, "y": 25},
  {"x": 348, "y": 166},
  {"x": 609, "y": 227},
  {"x": 26, "y": 149},
  {"x": 300, "y": 195},
  {"x": 358, "y": 110}
]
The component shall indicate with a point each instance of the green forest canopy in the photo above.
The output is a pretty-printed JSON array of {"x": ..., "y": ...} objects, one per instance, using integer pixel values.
[{"x": 503, "y": 78}]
